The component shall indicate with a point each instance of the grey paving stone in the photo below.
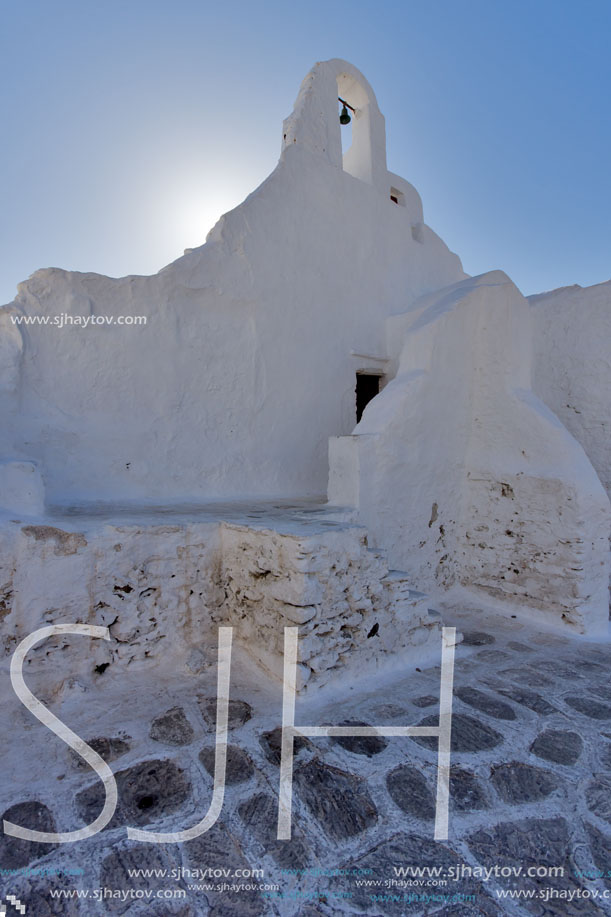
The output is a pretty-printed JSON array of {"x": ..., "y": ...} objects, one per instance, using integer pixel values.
[
  {"x": 147, "y": 792},
  {"x": 486, "y": 907},
  {"x": 599, "y": 653},
  {"x": 270, "y": 742},
  {"x": 172, "y": 728},
  {"x": 598, "y": 797},
  {"x": 238, "y": 907},
  {"x": 529, "y": 699},
  {"x": 477, "y": 638},
  {"x": 260, "y": 815},
  {"x": 360, "y": 745},
  {"x": 548, "y": 642},
  {"x": 108, "y": 747},
  {"x": 239, "y": 712},
  {"x": 516, "y": 782},
  {"x": 218, "y": 848},
  {"x": 600, "y": 846},
  {"x": 533, "y": 842},
  {"x": 409, "y": 790},
  {"x": 383, "y": 713},
  {"x": 239, "y": 766},
  {"x": 485, "y": 703},
  {"x": 605, "y": 756},
  {"x": 567, "y": 671},
  {"x": 589, "y": 707},
  {"x": 317, "y": 910},
  {"x": 520, "y": 647},
  {"x": 601, "y": 690},
  {"x": 339, "y": 801},
  {"x": 421, "y": 851},
  {"x": 171, "y": 909},
  {"x": 427, "y": 700},
  {"x": 16, "y": 852},
  {"x": 588, "y": 666},
  {"x": 467, "y": 793},
  {"x": 492, "y": 656},
  {"x": 468, "y": 734},
  {"x": 116, "y": 866},
  {"x": 525, "y": 675},
  {"x": 559, "y": 746}
]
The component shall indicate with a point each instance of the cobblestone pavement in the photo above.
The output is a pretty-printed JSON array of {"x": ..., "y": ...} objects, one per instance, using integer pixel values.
[{"x": 530, "y": 790}]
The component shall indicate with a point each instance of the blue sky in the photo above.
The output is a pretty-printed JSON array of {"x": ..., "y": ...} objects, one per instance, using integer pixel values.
[{"x": 129, "y": 127}]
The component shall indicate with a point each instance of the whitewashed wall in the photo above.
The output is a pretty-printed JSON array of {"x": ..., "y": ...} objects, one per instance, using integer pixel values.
[
  {"x": 244, "y": 368},
  {"x": 465, "y": 477},
  {"x": 572, "y": 365}
]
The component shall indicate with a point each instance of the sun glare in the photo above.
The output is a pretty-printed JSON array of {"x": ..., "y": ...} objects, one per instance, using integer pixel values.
[{"x": 189, "y": 211}]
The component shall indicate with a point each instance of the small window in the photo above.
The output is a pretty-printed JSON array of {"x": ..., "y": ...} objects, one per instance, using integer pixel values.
[
  {"x": 397, "y": 197},
  {"x": 367, "y": 387}
]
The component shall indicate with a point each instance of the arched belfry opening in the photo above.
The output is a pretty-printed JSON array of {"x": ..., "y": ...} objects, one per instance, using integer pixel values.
[
  {"x": 314, "y": 124},
  {"x": 346, "y": 129},
  {"x": 357, "y": 153}
]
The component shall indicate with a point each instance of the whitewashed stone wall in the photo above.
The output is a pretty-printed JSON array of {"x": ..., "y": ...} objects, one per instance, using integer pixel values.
[
  {"x": 353, "y": 613},
  {"x": 152, "y": 585},
  {"x": 164, "y": 589},
  {"x": 572, "y": 365}
]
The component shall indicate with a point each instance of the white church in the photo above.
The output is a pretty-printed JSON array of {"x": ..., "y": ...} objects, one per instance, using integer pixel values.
[{"x": 324, "y": 422}]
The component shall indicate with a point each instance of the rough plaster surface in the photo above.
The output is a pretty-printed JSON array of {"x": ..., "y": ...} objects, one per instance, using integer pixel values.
[
  {"x": 21, "y": 488},
  {"x": 153, "y": 586},
  {"x": 353, "y": 613},
  {"x": 465, "y": 477},
  {"x": 572, "y": 365}
]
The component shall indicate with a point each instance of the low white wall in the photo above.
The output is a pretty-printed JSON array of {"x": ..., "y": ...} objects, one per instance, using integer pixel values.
[
  {"x": 154, "y": 586},
  {"x": 164, "y": 589},
  {"x": 355, "y": 617}
]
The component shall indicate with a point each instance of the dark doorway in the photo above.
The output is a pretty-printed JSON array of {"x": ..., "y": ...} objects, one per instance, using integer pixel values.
[{"x": 367, "y": 387}]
